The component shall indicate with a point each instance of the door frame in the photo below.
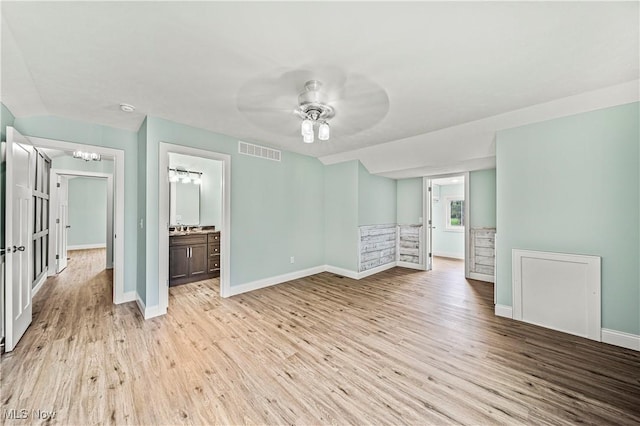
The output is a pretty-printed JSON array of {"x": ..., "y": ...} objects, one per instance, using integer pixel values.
[
  {"x": 54, "y": 202},
  {"x": 118, "y": 156},
  {"x": 163, "y": 217},
  {"x": 426, "y": 180}
]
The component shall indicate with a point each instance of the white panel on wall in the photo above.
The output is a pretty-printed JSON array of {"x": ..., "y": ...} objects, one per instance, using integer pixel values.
[
  {"x": 410, "y": 244},
  {"x": 377, "y": 246},
  {"x": 557, "y": 291}
]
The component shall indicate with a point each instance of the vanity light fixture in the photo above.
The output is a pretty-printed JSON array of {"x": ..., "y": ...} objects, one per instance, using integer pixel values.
[
  {"x": 183, "y": 175},
  {"x": 87, "y": 156},
  {"x": 198, "y": 179}
]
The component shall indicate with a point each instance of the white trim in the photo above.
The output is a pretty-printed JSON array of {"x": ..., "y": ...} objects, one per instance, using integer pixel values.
[
  {"x": 449, "y": 255},
  {"x": 619, "y": 338},
  {"x": 481, "y": 277},
  {"x": 592, "y": 281},
  {"x": 129, "y": 296},
  {"x": 427, "y": 213},
  {"x": 504, "y": 311},
  {"x": 279, "y": 279},
  {"x": 141, "y": 305},
  {"x": 39, "y": 284},
  {"x": 151, "y": 311},
  {"x": 154, "y": 311},
  {"x": 118, "y": 202},
  {"x": 87, "y": 247},
  {"x": 163, "y": 218},
  {"x": 410, "y": 265},
  {"x": 341, "y": 271}
]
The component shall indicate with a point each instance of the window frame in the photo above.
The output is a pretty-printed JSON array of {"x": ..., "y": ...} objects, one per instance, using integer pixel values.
[{"x": 447, "y": 218}]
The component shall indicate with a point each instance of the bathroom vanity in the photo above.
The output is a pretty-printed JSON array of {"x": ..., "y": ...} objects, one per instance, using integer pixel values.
[{"x": 194, "y": 255}]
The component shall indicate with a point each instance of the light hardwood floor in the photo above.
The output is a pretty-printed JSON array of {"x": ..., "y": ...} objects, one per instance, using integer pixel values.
[{"x": 400, "y": 347}]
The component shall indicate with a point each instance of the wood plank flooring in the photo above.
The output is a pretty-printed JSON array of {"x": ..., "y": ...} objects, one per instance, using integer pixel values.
[{"x": 400, "y": 347}]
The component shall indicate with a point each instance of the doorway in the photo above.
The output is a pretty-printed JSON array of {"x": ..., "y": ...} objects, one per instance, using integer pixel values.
[
  {"x": 164, "y": 220},
  {"x": 19, "y": 231},
  {"x": 446, "y": 220},
  {"x": 82, "y": 213}
]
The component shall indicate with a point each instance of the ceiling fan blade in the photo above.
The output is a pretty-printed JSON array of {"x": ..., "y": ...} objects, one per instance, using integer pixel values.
[{"x": 270, "y": 101}]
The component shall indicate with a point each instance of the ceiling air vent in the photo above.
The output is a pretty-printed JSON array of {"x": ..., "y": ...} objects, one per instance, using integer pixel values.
[{"x": 258, "y": 151}]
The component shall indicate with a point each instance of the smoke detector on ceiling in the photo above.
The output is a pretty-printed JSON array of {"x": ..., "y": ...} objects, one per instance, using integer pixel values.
[{"x": 127, "y": 108}]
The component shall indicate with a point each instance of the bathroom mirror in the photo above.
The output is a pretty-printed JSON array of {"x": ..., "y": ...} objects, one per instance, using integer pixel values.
[{"x": 184, "y": 201}]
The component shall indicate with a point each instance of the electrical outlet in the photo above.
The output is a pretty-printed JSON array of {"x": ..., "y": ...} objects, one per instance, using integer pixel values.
[{"x": 292, "y": 259}]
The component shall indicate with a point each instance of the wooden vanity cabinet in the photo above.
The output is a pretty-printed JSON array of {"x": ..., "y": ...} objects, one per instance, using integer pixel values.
[
  {"x": 214, "y": 254},
  {"x": 188, "y": 258}
]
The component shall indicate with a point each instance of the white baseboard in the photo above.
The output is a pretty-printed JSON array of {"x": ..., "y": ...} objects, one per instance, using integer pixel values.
[
  {"x": 39, "y": 284},
  {"x": 154, "y": 311},
  {"x": 86, "y": 246},
  {"x": 375, "y": 270},
  {"x": 481, "y": 277},
  {"x": 342, "y": 272},
  {"x": 410, "y": 265},
  {"x": 504, "y": 311},
  {"x": 619, "y": 338},
  {"x": 129, "y": 296},
  {"x": 449, "y": 255},
  {"x": 267, "y": 282},
  {"x": 149, "y": 312}
]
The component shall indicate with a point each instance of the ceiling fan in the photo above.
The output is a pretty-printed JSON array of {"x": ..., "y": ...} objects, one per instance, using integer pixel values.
[{"x": 329, "y": 101}]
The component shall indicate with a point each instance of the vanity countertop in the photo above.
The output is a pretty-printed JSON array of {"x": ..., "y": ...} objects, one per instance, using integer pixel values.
[{"x": 193, "y": 232}]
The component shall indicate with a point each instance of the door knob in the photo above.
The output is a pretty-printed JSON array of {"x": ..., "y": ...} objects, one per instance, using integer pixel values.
[
  {"x": 15, "y": 249},
  {"x": 68, "y": 226}
]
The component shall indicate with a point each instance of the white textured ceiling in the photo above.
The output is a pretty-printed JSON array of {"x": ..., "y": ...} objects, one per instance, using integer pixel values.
[{"x": 441, "y": 64}]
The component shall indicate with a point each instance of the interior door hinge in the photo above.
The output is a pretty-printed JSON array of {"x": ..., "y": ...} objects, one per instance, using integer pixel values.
[
  {"x": 57, "y": 220},
  {"x": 429, "y": 189},
  {"x": 58, "y": 185},
  {"x": 430, "y": 255},
  {"x": 57, "y": 256}
]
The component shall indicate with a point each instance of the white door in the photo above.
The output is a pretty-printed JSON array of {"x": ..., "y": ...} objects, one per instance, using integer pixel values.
[
  {"x": 428, "y": 195},
  {"x": 62, "y": 222},
  {"x": 17, "y": 232}
]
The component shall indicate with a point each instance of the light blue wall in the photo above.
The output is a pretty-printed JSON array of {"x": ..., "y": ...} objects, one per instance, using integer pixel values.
[
  {"x": 482, "y": 199},
  {"x": 409, "y": 201},
  {"x": 447, "y": 242},
  {"x": 210, "y": 189},
  {"x": 571, "y": 185},
  {"x": 341, "y": 215},
  {"x": 276, "y": 207},
  {"x": 87, "y": 211},
  {"x": 376, "y": 198},
  {"x": 93, "y": 134}
]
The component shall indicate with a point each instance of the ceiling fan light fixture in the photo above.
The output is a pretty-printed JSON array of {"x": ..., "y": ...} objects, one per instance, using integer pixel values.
[
  {"x": 312, "y": 108},
  {"x": 307, "y": 127},
  {"x": 308, "y": 138},
  {"x": 324, "y": 132}
]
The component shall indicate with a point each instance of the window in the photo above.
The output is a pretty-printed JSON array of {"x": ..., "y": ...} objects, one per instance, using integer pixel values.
[{"x": 454, "y": 220}]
